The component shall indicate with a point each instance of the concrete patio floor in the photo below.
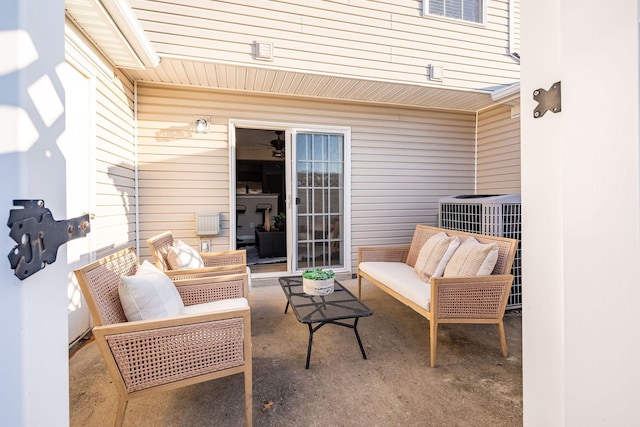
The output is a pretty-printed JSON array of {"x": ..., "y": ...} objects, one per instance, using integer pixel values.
[{"x": 472, "y": 385}]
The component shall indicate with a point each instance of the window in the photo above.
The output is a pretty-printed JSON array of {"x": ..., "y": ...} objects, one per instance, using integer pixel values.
[{"x": 467, "y": 10}]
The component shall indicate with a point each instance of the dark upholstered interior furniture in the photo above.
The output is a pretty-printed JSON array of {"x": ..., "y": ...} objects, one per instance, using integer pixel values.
[{"x": 271, "y": 243}]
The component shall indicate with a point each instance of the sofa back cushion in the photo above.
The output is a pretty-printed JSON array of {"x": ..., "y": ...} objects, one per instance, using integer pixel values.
[
  {"x": 434, "y": 255},
  {"x": 472, "y": 258}
]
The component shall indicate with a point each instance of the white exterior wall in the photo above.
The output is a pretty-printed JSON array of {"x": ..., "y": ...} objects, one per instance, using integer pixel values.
[
  {"x": 403, "y": 160},
  {"x": 581, "y": 199},
  {"x": 113, "y": 226},
  {"x": 33, "y": 312},
  {"x": 371, "y": 39},
  {"x": 102, "y": 181},
  {"x": 498, "y": 153}
]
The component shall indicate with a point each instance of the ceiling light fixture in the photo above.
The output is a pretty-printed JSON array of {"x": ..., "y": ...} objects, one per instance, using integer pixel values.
[{"x": 278, "y": 146}]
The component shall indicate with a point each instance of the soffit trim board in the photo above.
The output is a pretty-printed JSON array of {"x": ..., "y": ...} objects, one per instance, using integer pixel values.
[
  {"x": 124, "y": 17},
  {"x": 313, "y": 98},
  {"x": 323, "y": 74},
  {"x": 505, "y": 92},
  {"x": 114, "y": 29}
]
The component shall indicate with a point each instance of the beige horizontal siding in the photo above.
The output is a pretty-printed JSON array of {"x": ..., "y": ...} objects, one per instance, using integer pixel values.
[
  {"x": 363, "y": 39},
  {"x": 402, "y": 160},
  {"x": 114, "y": 223},
  {"x": 498, "y": 152},
  {"x": 516, "y": 27}
]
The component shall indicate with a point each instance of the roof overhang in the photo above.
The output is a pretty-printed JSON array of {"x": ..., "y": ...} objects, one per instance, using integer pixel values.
[
  {"x": 509, "y": 94},
  {"x": 115, "y": 30},
  {"x": 292, "y": 83}
]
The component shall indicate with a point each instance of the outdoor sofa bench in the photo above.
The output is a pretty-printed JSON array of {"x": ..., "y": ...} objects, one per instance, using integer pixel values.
[{"x": 452, "y": 298}]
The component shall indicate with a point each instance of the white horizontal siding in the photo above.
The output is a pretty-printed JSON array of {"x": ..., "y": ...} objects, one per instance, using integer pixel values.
[
  {"x": 362, "y": 39},
  {"x": 402, "y": 160},
  {"x": 498, "y": 152},
  {"x": 113, "y": 226}
]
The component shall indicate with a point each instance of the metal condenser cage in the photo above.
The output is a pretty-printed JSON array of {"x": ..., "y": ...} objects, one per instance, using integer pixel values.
[{"x": 494, "y": 215}]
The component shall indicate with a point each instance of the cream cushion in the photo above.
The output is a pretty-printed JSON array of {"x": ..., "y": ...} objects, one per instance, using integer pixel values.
[
  {"x": 149, "y": 294},
  {"x": 472, "y": 258},
  {"x": 401, "y": 278},
  {"x": 182, "y": 256},
  {"x": 216, "y": 306},
  {"x": 434, "y": 255}
]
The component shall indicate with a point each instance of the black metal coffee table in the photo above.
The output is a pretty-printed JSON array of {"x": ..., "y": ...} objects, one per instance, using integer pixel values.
[{"x": 321, "y": 310}]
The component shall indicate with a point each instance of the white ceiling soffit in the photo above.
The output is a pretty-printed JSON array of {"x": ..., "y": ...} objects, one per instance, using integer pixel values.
[
  {"x": 115, "y": 30},
  {"x": 177, "y": 71}
]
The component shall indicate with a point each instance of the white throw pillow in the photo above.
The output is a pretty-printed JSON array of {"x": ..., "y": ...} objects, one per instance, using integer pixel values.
[
  {"x": 149, "y": 294},
  {"x": 182, "y": 256},
  {"x": 434, "y": 255},
  {"x": 472, "y": 258}
]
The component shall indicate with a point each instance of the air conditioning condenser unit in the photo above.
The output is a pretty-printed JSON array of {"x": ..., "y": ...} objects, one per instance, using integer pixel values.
[{"x": 493, "y": 215}]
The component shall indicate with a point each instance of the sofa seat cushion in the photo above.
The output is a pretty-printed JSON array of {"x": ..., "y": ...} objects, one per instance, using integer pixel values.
[
  {"x": 216, "y": 306},
  {"x": 400, "y": 278}
]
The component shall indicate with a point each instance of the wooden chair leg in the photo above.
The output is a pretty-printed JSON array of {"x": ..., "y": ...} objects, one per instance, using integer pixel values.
[
  {"x": 433, "y": 336},
  {"x": 248, "y": 398},
  {"x": 503, "y": 338},
  {"x": 122, "y": 408},
  {"x": 359, "y": 287}
]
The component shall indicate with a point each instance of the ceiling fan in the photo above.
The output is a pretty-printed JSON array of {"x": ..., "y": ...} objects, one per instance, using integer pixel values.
[{"x": 278, "y": 146}]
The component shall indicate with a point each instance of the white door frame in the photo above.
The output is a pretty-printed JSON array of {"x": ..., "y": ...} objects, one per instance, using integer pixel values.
[
  {"x": 290, "y": 128},
  {"x": 78, "y": 146},
  {"x": 292, "y": 223}
]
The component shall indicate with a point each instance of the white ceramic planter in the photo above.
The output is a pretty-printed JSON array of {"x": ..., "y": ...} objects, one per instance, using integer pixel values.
[{"x": 317, "y": 287}]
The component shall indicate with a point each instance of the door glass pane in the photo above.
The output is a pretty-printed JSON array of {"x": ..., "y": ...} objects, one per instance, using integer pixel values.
[{"x": 320, "y": 193}]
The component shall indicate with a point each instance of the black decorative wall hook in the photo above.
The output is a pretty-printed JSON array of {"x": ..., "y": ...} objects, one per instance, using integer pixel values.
[{"x": 38, "y": 236}]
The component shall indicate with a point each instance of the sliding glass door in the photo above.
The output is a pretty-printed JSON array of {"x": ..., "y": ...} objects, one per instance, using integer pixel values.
[{"x": 319, "y": 208}]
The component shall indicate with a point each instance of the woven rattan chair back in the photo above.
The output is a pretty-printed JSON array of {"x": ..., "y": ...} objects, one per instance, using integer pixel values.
[
  {"x": 159, "y": 246},
  {"x": 99, "y": 283}
]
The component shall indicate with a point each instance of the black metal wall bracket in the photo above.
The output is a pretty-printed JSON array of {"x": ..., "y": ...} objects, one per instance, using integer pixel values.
[
  {"x": 38, "y": 236},
  {"x": 548, "y": 100}
]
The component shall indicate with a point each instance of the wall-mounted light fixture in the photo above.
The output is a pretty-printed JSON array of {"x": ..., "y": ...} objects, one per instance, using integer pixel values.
[{"x": 201, "y": 125}]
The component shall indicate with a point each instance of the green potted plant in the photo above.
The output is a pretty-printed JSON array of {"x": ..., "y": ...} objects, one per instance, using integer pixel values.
[
  {"x": 280, "y": 221},
  {"x": 318, "y": 281}
]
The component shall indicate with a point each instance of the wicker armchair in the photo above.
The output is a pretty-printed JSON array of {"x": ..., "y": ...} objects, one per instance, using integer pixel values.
[
  {"x": 162, "y": 354},
  {"x": 215, "y": 263}
]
